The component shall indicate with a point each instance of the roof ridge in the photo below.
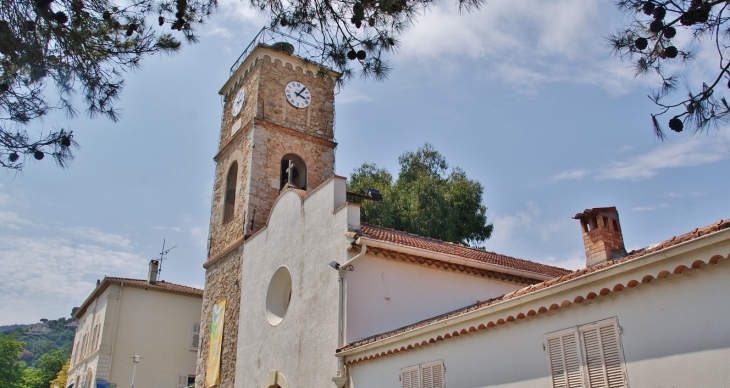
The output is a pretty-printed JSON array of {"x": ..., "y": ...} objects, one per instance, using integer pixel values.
[{"x": 473, "y": 249}]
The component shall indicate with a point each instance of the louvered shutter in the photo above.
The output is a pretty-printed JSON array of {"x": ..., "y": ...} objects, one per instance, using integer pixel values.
[
  {"x": 564, "y": 360},
  {"x": 432, "y": 375},
  {"x": 196, "y": 336},
  {"x": 182, "y": 381},
  {"x": 409, "y": 377},
  {"x": 604, "y": 357}
]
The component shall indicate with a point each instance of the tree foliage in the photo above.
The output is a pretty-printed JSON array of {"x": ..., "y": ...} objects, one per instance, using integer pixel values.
[
  {"x": 49, "y": 366},
  {"x": 351, "y": 33},
  {"x": 427, "y": 198},
  {"x": 663, "y": 34},
  {"x": 50, "y": 50},
  {"x": 11, "y": 369},
  {"x": 61, "y": 376}
]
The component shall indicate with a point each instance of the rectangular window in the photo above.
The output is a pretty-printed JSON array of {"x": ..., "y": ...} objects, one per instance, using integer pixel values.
[
  {"x": 587, "y": 356},
  {"x": 196, "y": 337},
  {"x": 185, "y": 381},
  {"x": 428, "y": 375}
]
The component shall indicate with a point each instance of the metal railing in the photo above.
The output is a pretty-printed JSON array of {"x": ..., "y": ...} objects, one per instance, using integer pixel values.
[{"x": 268, "y": 36}]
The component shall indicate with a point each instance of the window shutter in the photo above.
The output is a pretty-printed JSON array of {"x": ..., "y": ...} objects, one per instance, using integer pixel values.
[
  {"x": 196, "y": 336},
  {"x": 432, "y": 375},
  {"x": 409, "y": 377},
  {"x": 564, "y": 361},
  {"x": 604, "y": 358},
  {"x": 182, "y": 381}
]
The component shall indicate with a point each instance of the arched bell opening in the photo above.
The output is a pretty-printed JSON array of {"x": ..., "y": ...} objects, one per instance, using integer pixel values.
[
  {"x": 230, "y": 200},
  {"x": 293, "y": 172}
]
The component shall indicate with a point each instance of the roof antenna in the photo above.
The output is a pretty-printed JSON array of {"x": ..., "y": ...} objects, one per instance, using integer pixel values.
[{"x": 163, "y": 252}]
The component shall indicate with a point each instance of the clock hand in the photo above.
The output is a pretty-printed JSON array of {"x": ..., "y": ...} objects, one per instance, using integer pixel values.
[{"x": 299, "y": 94}]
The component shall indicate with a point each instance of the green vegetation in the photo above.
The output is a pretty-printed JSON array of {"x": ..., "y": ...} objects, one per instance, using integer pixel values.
[
  {"x": 33, "y": 361},
  {"x": 426, "y": 199}
]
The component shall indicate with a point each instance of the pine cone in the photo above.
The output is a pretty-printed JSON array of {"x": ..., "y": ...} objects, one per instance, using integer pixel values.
[
  {"x": 676, "y": 125},
  {"x": 13, "y": 157},
  {"x": 66, "y": 141},
  {"x": 60, "y": 17},
  {"x": 669, "y": 32},
  {"x": 641, "y": 43},
  {"x": 656, "y": 26},
  {"x": 351, "y": 55},
  {"x": 38, "y": 155},
  {"x": 4, "y": 87},
  {"x": 361, "y": 55},
  {"x": 671, "y": 52},
  {"x": 660, "y": 13},
  {"x": 648, "y": 8},
  {"x": 161, "y": 20},
  {"x": 106, "y": 15}
]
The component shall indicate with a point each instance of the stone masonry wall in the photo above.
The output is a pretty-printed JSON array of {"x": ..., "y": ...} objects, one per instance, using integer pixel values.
[{"x": 222, "y": 281}]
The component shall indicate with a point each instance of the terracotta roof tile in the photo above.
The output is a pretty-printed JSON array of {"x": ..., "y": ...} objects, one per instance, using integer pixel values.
[
  {"x": 633, "y": 255},
  {"x": 434, "y": 245}
]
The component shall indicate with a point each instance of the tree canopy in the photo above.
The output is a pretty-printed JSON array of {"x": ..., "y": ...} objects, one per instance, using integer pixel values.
[
  {"x": 50, "y": 50},
  {"x": 665, "y": 34},
  {"x": 427, "y": 198}
]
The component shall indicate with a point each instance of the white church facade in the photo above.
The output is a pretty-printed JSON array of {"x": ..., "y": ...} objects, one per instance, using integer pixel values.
[{"x": 316, "y": 298}]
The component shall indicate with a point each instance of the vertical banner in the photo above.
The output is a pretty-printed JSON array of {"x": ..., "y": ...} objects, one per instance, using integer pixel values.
[{"x": 213, "y": 369}]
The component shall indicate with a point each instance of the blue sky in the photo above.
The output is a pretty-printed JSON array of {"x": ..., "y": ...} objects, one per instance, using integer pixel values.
[{"x": 523, "y": 96}]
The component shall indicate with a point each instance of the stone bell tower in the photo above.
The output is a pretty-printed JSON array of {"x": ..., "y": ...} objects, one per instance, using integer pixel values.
[{"x": 277, "y": 132}]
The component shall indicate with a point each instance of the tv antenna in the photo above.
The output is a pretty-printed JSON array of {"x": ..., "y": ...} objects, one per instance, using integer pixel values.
[{"x": 163, "y": 252}]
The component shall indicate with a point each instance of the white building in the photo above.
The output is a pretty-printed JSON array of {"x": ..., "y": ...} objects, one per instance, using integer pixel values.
[
  {"x": 157, "y": 320},
  {"x": 318, "y": 298}
]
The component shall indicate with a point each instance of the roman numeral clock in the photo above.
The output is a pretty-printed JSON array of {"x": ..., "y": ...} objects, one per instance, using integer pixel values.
[{"x": 297, "y": 94}]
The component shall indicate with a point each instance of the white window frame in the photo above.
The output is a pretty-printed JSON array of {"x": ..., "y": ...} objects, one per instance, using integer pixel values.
[
  {"x": 578, "y": 332},
  {"x": 419, "y": 369}
]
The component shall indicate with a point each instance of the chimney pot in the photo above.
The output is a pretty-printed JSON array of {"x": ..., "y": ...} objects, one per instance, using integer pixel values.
[
  {"x": 602, "y": 236},
  {"x": 152, "y": 274}
]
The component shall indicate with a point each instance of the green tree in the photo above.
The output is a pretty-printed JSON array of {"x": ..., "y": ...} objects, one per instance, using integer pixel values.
[
  {"x": 78, "y": 46},
  {"x": 61, "y": 377},
  {"x": 661, "y": 36},
  {"x": 49, "y": 365},
  {"x": 426, "y": 199},
  {"x": 11, "y": 368}
]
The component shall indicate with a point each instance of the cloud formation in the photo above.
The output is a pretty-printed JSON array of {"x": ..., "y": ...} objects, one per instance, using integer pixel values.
[
  {"x": 692, "y": 152},
  {"x": 523, "y": 43},
  {"x": 55, "y": 272}
]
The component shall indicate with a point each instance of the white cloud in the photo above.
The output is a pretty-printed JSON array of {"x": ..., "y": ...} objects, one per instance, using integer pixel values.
[
  {"x": 570, "y": 174},
  {"x": 349, "y": 96},
  {"x": 575, "y": 260},
  {"x": 98, "y": 236},
  {"x": 172, "y": 228},
  {"x": 523, "y": 43},
  {"x": 689, "y": 153},
  {"x": 200, "y": 236},
  {"x": 650, "y": 208},
  {"x": 672, "y": 194},
  {"x": 55, "y": 273},
  {"x": 526, "y": 222}
]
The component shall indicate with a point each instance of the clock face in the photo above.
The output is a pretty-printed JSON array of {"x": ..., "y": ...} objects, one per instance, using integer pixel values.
[
  {"x": 297, "y": 94},
  {"x": 238, "y": 102}
]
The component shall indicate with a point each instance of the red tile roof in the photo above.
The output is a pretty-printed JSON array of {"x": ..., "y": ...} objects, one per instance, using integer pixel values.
[
  {"x": 161, "y": 286},
  {"x": 633, "y": 255},
  {"x": 462, "y": 251}
]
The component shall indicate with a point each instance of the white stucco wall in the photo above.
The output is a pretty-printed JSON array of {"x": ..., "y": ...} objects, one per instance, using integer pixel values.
[
  {"x": 152, "y": 324},
  {"x": 305, "y": 236},
  {"x": 383, "y": 295},
  {"x": 675, "y": 333},
  {"x": 157, "y": 326}
]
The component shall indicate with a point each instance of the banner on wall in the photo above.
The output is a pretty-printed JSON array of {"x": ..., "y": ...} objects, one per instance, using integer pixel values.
[{"x": 213, "y": 369}]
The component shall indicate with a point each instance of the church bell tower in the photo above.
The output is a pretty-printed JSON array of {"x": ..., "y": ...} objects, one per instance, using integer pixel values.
[{"x": 277, "y": 132}]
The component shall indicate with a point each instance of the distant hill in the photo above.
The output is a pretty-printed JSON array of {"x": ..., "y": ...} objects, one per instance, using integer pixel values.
[
  {"x": 61, "y": 337},
  {"x": 11, "y": 327}
]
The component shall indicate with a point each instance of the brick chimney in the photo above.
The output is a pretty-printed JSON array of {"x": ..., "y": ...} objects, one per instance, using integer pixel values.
[{"x": 602, "y": 236}]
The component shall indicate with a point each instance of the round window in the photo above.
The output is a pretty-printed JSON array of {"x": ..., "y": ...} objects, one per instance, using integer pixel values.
[{"x": 278, "y": 296}]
